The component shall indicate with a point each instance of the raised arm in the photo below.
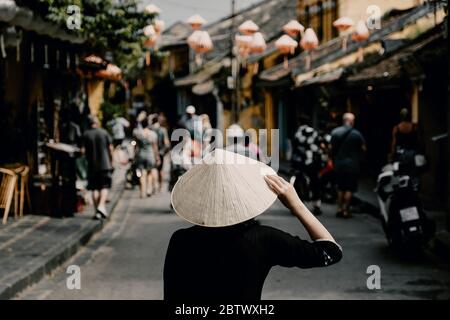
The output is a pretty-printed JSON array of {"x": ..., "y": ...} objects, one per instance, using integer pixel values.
[{"x": 288, "y": 196}]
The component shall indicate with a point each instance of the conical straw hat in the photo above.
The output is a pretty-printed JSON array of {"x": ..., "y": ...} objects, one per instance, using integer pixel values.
[{"x": 223, "y": 190}]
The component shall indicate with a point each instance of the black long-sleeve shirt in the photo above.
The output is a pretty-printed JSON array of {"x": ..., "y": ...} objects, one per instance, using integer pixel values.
[{"x": 232, "y": 263}]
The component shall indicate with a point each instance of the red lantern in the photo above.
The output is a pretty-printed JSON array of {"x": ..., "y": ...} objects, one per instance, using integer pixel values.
[
  {"x": 293, "y": 28},
  {"x": 196, "y": 22},
  {"x": 286, "y": 45},
  {"x": 360, "y": 34},
  {"x": 248, "y": 28},
  {"x": 343, "y": 24}
]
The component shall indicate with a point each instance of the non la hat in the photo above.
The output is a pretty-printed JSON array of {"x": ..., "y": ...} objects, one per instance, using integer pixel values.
[{"x": 223, "y": 190}]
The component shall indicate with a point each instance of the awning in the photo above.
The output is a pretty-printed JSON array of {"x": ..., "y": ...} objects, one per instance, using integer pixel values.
[
  {"x": 209, "y": 70},
  {"x": 401, "y": 64}
]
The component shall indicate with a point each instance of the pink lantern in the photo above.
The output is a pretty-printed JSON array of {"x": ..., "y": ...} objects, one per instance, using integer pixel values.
[
  {"x": 196, "y": 22},
  {"x": 293, "y": 28},
  {"x": 248, "y": 27},
  {"x": 151, "y": 41},
  {"x": 309, "y": 42},
  {"x": 159, "y": 25},
  {"x": 286, "y": 45},
  {"x": 152, "y": 9},
  {"x": 343, "y": 24},
  {"x": 243, "y": 43},
  {"x": 150, "y": 33},
  {"x": 200, "y": 41},
  {"x": 258, "y": 44},
  {"x": 360, "y": 34}
]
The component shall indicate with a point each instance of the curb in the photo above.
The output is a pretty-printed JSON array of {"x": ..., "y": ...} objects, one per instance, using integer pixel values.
[{"x": 60, "y": 254}]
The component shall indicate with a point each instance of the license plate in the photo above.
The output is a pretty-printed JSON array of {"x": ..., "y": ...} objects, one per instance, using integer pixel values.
[{"x": 409, "y": 214}]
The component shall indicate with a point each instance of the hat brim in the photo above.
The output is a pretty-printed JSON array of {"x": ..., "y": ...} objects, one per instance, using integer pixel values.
[{"x": 223, "y": 194}]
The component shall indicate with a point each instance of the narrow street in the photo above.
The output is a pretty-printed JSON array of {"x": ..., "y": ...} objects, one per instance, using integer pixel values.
[{"x": 125, "y": 260}]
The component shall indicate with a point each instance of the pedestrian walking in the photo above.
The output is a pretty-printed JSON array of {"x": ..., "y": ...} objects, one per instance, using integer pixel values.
[
  {"x": 347, "y": 146},
  {"x": 98, "y": 149},
  {"x": 308, "y": 161},
  {"x": 227, "y": 255},
  {"x": 118, "y": 125},
  {"x": 404, "y": 135},
  {"x": 191, "y": 122},
  {"x": 163, "y": 147},
  {"x": 147, "y": 156}
]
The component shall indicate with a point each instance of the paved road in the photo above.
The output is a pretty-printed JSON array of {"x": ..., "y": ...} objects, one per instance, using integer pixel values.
[{"x": 125, "y": 261}]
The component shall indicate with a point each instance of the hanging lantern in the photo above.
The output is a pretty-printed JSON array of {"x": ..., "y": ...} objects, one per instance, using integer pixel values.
[
  {"x": 248, "y": 28},
  {"x": 309, "y": 42},
  {"x": 293, "y": 28},
  {"x": 286, "y": 45},
  {"x": 150, "y": 33},
  {"x": 201, "y": 43},
  {"x": 151, "y": 41},
  {"x": 343, "y": 25},
  {"x": 196, "y": 22},
  {"x": 152, "y": 9},
  {"x": 258, "y": 44},
  {"x": 243, "y": 43},
  {"x": 159, "y": 25},
  {"x": 361, "y": 34}
]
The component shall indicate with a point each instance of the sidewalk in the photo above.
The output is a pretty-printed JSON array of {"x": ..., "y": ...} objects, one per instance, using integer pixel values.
[{"x": 35, "y": 245}]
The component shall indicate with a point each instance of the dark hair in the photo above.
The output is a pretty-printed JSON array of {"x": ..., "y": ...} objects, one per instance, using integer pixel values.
[
  {"x": 155, "y": 118},
  {"x": 144, "y": 122}
]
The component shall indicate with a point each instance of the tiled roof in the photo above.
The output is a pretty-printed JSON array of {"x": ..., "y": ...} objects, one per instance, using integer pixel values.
[
  {"x": 331, "y": 50},
  {"x": 392, "y": 67}
]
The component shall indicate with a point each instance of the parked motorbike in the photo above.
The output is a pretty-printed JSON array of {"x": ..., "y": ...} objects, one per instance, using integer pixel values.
[{"x": 404, "y": 221}]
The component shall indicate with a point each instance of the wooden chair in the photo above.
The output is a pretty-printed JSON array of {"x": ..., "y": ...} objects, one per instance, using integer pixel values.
[
  {"x": 23, "y": 189},
  {"x": 7, "y": 187}
]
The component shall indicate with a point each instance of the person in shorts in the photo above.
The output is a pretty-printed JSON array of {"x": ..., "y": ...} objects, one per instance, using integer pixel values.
[
  {"x": 147, "y": 157},
  {"x": 98, "y": 149},
  {"x": 347, "y": 147}
]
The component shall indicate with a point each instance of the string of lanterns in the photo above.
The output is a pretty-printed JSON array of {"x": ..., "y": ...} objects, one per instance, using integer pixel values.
[
  {"x": 251, "y": 41},
  {"x": 152, "y": 31}
]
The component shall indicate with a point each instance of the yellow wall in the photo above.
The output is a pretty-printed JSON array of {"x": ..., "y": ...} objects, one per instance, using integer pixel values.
[
  {"x": 356, "y": 9},
  {"x": 95, "y": 94}
]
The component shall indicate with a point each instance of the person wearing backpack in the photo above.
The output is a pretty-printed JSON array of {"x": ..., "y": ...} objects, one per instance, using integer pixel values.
[
  {"x": 347, "y": 147},
  {"x": 163, "y": 146}
]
